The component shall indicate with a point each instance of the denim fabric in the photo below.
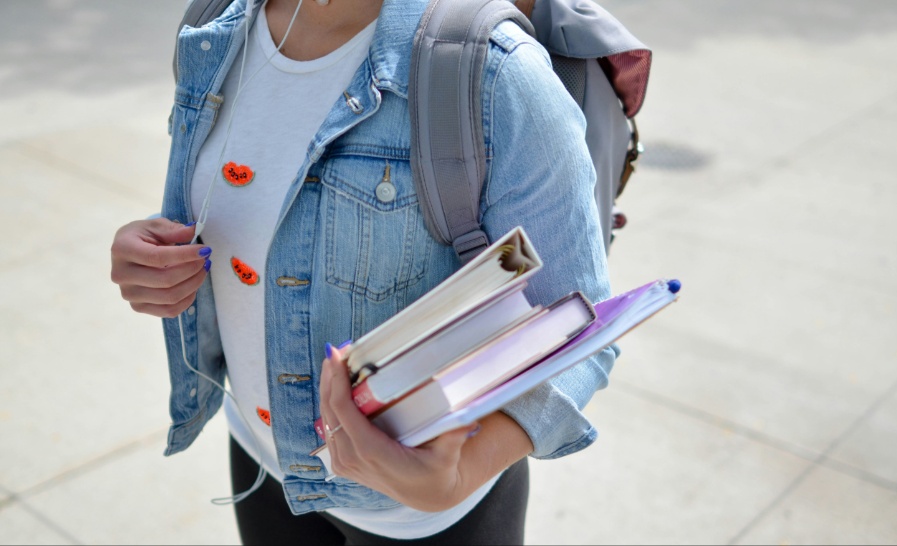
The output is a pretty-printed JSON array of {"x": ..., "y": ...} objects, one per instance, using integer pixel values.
[{"x": 365, "y": 258}]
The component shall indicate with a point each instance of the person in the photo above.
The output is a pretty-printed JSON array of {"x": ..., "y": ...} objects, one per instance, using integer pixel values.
[{"x": 299, "y": 122}]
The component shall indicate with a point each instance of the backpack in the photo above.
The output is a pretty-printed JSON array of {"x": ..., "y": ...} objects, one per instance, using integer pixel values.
[{"x": 586, "y": 44}]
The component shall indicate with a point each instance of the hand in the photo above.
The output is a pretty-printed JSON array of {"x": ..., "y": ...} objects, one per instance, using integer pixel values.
[
  {"x": 156, "y": 276},
  {"x": 427, "y": 478}
]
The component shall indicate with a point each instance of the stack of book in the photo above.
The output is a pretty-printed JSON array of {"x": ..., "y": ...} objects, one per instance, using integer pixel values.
[{"x": 474, "y": 343}]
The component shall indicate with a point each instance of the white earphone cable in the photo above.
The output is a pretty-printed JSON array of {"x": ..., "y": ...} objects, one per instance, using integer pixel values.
[
  {"x": 206, "y": 203},
  {"x": 200, "y": 223}
]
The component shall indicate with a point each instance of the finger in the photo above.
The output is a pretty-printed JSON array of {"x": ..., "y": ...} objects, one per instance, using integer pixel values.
[
  {"x": 154, "y": 277},
  {"x": 167, "y": 232},
  {"x": 148, "y": 243},
  {"x": 355, "y": 423},
  {"x": 151, "y": 254},
  {"x": 164, "y": 296},
  {"x": 164, "y": 311}
]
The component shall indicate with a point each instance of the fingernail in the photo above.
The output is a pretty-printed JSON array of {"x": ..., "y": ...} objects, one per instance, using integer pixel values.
[
  {"x": 207, "y": 265},
  {"x": 205, "y": 251},
  {"x": 190, "y": 224},
  {"x": 475, "y": 431},
  {"x": 344, "y": 344},
  {"x": 328, "y": 348}
]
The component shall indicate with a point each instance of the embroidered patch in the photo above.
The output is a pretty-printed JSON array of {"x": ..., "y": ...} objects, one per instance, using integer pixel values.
[
  {"x": 246, "y": 274},
  {"x": 237, "y": 175},
  {"x": 264, "y": 415}
]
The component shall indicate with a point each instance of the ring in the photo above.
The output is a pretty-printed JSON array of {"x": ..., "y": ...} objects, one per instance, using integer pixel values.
[{"x": 329, "y": 432}]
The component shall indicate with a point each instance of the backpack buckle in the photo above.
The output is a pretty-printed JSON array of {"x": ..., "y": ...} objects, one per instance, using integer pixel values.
[{"x": 469, "y": 245}]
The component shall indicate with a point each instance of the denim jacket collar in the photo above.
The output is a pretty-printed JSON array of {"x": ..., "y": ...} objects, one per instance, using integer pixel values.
[{"x": 390, "y": 53}]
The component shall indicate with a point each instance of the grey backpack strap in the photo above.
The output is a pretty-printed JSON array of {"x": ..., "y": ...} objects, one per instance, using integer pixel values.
[
  {"x": 198, "y": 13},
  {"x": 444, "y": 100}
]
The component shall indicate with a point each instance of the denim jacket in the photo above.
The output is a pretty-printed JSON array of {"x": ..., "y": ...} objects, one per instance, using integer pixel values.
[{"x": 342, "y": 260}]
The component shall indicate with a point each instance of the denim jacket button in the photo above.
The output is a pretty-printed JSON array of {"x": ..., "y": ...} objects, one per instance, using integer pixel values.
[
  {"x": 353, "y": 103},
  {"x": 206, "y": 45},
  {"x": 193, "y": 392},
  {"x": 386, "y": 192}
]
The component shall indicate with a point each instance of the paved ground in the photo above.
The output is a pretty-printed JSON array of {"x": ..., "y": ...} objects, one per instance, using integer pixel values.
[{"x": 762, "y": 408}]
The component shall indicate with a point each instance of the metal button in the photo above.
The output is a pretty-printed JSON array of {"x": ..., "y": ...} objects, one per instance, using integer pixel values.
[
  {"x": 206, "y": 45},
  {"x": 286, "y": 378},
  {"x": 304, "y": 468},
  {"x": 193, "y": 392},
  {"x": 192, "y": 310},
  {"x": 353, "y": 103},
  {"x": 302, "y": 498},
  {"x": 183, "y": 127},
  {"x": 291, "y": 281},
  {"x": 386, "y": 192}
]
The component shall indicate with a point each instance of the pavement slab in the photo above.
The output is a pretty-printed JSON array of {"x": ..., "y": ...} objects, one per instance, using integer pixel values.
[
  {"x": 144, "y": 498},
  {"x": 84, "y": 375},
  {"x": 860, "y": 513},
  {"x": 654, "y": 476},
  {"x": 21, "y": 525},
  {"x": 56, "y": 208},
  {"x": 125, "y": 160},
  {"x": 872, "y": 447}
]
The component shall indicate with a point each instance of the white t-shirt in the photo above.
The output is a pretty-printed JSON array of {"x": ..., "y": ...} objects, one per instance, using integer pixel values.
[{"x": 280, "y": 108}]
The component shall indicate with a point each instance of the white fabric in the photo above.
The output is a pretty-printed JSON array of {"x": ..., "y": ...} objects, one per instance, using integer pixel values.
[{"x": 277, "y": 114}]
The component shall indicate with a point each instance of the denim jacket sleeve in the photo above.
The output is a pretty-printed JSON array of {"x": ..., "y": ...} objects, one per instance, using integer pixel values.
[{"x": 541, "y": 177}]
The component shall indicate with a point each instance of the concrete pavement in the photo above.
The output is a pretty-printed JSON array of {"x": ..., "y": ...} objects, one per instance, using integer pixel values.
[{"x": 759, "y": 409}]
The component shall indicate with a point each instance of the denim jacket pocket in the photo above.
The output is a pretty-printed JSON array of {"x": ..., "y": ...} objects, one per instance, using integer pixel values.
[{"x": 376, "y": 242}]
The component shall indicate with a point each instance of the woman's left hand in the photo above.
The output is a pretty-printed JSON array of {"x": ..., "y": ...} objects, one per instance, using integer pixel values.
[{"x": 427, "y": 478}]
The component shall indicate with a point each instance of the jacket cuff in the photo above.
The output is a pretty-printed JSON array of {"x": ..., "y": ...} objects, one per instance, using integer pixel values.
[
  {"x": 551, "y": 414},
  {"x": 538, "y": 413}
]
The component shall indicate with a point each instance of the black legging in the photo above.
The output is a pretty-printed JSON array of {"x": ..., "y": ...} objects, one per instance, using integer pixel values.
[{"x": 265, "y": 518}]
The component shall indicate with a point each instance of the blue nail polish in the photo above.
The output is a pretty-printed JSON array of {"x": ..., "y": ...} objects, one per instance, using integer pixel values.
[
  {"x": 207, "y": 265},
  {"x": 191, "y": 224},
  {"x": 205, "y": 251},
  {"x": 328, "y": 348},
  {"x": 344, "y": 344},
  {"x": 674, "y": 285}
]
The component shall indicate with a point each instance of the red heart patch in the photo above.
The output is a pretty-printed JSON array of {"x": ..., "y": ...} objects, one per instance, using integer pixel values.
[
  {"x": 264, "y": 415},
  {"x": 237, "y": 175},
  {"x": 246, "y": 274}
]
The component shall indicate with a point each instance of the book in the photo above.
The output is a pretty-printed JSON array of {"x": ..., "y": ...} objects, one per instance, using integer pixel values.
[
  {"x": 504, "y": 265},
  {"x": 614, "y": 317},
  {"x": 400, "y": 375},
  {"x": 488, "y": 365}
]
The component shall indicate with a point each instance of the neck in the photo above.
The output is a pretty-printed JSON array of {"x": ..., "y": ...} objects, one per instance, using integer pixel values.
[{"x": 318, "y": 30}]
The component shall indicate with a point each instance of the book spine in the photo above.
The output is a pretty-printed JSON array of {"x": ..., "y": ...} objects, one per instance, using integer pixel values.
[{"x": 365, "y": 399}]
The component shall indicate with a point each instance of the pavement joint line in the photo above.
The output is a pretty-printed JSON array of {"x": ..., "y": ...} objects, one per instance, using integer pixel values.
[
  {"x": 14, "y": 500},
  {"x": 816, "y": 464},
  {"x": 771, "y": 441},
  {"x": 73, "y": 169},
  {"x": 90, "y": 464},
  {"x": 720, "y": 422}
]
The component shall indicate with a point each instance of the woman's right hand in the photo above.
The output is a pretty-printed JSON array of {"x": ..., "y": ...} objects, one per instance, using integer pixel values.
[{"x": 157, "y": 271}]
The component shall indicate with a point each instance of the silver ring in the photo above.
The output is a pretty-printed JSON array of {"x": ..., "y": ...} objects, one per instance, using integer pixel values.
[{"x": 329, "y": 432}]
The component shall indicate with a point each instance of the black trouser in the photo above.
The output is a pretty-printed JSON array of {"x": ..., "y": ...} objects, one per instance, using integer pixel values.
[{"x": 265, "y": 518}]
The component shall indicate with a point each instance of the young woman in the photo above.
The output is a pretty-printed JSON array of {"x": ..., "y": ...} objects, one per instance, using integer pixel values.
[{"x": 318, "y": 238}]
